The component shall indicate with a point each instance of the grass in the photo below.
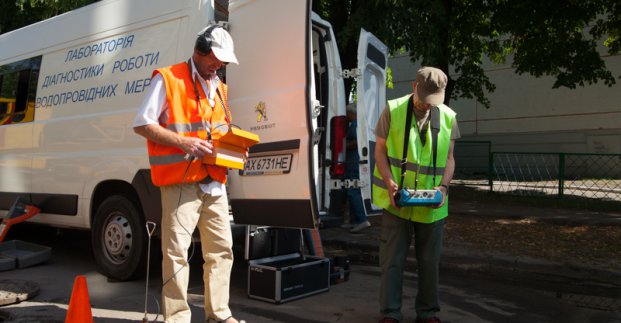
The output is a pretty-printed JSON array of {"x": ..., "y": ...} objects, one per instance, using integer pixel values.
[{"x": 462, "y": 192}]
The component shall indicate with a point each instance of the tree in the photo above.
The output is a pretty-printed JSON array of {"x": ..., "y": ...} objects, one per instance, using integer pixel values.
[
  {"x": 609, "y": 26},
  {"x": 346, "y": 18},
  {"x": 558, "y": 38},
  {"x": 15, "y": 14}
]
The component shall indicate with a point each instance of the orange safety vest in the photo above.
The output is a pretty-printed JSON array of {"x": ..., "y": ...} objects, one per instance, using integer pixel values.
[{"x": 187, "y": 118}]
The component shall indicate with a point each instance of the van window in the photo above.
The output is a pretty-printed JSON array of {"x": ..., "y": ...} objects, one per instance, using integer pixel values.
[{"x": 18, "y": 86}]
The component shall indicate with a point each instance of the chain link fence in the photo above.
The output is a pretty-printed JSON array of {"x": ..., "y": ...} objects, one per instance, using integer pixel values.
[
  {"x": 592, "y": 181},
  {"x": 594, "y": 177}
]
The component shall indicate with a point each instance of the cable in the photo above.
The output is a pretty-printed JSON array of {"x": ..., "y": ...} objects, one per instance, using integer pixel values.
[
  {"x": 181, "y": 224},
  {"x": 193, "y": 247}
]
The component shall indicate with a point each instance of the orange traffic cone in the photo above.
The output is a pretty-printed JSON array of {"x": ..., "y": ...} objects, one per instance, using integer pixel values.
[{"x": 79, "y": 310}]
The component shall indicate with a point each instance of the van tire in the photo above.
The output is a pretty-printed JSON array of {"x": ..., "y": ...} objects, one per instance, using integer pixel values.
[{"x": 119, "y": 239}]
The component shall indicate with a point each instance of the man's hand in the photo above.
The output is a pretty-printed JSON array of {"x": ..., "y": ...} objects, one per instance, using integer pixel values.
[
  {"x": 444, "y": 191},
  {"x": 392, "y": 190},
  {"x": 196, "y": 147},
  {"x": 449, "y": 170}
]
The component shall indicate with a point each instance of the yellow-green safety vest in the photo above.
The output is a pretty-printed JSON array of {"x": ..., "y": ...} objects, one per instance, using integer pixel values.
[{"x": 419, "y": 159}]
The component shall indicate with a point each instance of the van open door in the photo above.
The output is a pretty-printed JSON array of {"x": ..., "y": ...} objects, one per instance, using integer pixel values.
[
  {"x": 371, "y": 93},
  {"x": 270, "y": 95}
]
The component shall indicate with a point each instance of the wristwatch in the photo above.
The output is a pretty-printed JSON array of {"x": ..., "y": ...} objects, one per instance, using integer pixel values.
[{"x": 446, "y": 187}]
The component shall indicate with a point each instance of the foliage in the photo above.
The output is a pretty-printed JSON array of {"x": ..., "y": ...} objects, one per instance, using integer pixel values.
[
  {"x": 558, "y": 38},
  {"x": 347, "y": 17},
  {"x": 15, "y": 14},
  {"x": 609, "y": 26}
]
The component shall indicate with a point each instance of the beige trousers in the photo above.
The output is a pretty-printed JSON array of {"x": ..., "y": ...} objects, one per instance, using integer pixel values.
[{"x": 184, "y": 208}]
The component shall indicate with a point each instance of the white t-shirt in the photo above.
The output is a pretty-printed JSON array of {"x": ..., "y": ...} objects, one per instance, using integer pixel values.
[{"x": 154, "y": 110}]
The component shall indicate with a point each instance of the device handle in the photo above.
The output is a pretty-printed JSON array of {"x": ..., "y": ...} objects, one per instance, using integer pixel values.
[{"x": 150, "y": 227}]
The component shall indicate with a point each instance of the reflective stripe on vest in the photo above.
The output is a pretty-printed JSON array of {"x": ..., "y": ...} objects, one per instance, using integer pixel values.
[
  {"x": 419, "y": 159},
  {"x": 187, "y": 118}
]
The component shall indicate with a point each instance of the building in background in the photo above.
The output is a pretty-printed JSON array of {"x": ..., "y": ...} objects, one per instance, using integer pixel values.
[{"x": 528, "y": 115}]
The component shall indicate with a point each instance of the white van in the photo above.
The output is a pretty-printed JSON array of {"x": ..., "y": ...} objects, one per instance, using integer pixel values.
[{"x": 70, "y": 87}]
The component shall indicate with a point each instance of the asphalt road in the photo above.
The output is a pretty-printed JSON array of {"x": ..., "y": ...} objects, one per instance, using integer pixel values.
[{"x": 464, "y": 299}]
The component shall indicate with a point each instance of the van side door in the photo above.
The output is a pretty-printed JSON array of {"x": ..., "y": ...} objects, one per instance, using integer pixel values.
[{"x": 371, "y": 94}]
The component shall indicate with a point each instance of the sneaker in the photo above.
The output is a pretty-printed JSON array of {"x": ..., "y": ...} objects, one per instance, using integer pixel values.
[
  {"x": 347, "y": 226},
  {"x": 360, "y": 226},
  {"x": 388, "y": 320},
  {"x": 428, "y": 320}
]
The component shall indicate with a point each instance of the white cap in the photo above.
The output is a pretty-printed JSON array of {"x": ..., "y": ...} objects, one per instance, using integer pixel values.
[{"x": 221, "y": 44}]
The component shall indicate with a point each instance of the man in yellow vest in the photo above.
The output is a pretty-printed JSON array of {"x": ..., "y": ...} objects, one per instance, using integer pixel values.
[
  {"x": 185, "y": 109},
  {"x": 423, "y": 171}
]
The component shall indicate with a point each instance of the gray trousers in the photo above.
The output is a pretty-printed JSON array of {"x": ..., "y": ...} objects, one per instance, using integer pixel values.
[{"x": 394, "y": 247}]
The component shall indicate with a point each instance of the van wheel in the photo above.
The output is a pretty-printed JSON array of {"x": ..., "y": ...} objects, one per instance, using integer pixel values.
[{"x": 119, "y": 239}]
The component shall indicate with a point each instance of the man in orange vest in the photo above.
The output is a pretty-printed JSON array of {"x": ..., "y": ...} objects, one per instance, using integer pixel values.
[{"x": 185, "y": 109}]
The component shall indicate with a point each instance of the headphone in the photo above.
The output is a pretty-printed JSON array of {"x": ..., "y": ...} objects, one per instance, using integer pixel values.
[{"x": 204, "y": 40}]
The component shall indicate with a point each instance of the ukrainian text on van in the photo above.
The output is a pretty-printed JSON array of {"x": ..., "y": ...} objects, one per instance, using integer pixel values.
[{"x": 67, "y": 102}]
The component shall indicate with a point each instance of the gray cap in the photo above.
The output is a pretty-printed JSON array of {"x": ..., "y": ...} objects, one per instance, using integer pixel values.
[{"x": 431, "y": 84}]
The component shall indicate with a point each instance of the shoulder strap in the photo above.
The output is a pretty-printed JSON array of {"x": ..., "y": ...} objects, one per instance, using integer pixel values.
[
  {"x": 408, "y": 128},
  {"x": 435, "y": 129}
]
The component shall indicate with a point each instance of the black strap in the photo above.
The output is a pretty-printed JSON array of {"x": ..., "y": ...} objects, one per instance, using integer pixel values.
[
  {"x": 408, "y": 128},
  {"x": 435, "y": 130}
]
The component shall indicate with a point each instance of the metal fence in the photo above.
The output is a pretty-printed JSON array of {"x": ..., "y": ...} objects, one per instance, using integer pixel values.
[
  {"x": 472, "y": 160},
  {"x": 565, "y": 175}
]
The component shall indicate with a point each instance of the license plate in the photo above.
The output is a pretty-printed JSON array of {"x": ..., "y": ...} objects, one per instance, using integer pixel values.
[{"x": 268, "y": 165}]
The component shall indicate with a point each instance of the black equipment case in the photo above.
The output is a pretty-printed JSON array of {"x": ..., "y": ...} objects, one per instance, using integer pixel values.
[{"x": 285, "y": 274}]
